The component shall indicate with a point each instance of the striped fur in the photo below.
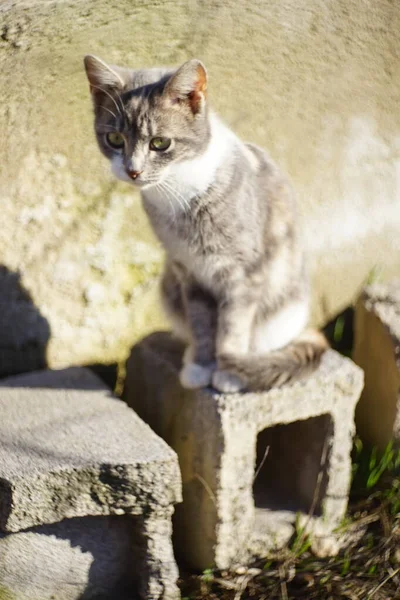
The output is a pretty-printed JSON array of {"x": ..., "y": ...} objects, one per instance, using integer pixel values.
[
  {"x": 235, "y": 284},
  {"x": 278, "y": 367}
]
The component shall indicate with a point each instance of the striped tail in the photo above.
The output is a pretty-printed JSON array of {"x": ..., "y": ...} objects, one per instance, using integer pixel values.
[{"x": 278, "y": 367}]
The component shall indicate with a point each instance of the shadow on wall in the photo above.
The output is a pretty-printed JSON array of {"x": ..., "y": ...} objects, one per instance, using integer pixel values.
[
  {"x": 24, "y": 335},
  {"x": 24, "y": 331}
]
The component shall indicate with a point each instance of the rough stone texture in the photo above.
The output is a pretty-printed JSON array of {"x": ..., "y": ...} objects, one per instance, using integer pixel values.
[
  {"x": 288, "y": 75},
  {"x": 377, "y": 351},
  {"x": 87, "y": 558},
  {"x": 222, "y": 442},
  {"x": 68, "y": 448}
]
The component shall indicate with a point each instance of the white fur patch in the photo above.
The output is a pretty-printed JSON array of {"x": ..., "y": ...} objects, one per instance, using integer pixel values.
[
  {"x": 193, "y": 177},
  {"x": 227, "y": 382},
  {"x": 282, "y": 328},
  {"x": 189, "y": 178},
  {"x": 194, "y": 376},
  {"x": 118, "y": 169}
]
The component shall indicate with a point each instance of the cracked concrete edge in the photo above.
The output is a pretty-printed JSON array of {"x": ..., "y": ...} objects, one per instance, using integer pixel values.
[
  {"x": 53, "y": 496},
  {"x": 159, "y": 571},
  {"x": 90, "y": 480}
]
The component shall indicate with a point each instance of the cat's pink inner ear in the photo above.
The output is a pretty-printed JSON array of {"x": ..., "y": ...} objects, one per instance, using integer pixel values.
[
  {"x": 189, "y": 84},
  {"x": 198, "y": 95},
  {"x": 201, "y": 81}
]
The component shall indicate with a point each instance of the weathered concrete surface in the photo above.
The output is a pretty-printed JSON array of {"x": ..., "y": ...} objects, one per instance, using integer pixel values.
[
  {"x": 76, "y": 452},
  {"x": 68, "y": 448},
  {"x": 317, "y": 83},
  {"x": 77, "y": 559},
  {"x": 377, "y": 351},
  {"x": 249, "y": 462},
  {"x": 90, "y": 558}
]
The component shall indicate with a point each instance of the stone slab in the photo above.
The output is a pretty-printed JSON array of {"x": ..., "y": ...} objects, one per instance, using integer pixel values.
[
  {"x": 249, "y": 462},
  {"x": 68, "y": 449},
  {"x": 69, "y": 452},
  {"x": 377, "y": 351}
]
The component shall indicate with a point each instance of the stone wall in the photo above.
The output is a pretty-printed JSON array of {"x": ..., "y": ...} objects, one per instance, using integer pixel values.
[{"x": 317, "y": 83}]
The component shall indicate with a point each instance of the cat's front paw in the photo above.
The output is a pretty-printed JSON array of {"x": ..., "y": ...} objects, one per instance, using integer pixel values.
[
  {"x": 226, "y": 382},
  {"x": 195, "y": 376}
]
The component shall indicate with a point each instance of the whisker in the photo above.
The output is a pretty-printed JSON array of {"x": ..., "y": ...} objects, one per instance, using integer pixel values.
[
  {"x": 174, "y": 194},
  {"x": 167, "y": 192},
  {"x": 108, "y": 110},
  {"x": 173, "y": 190},
  {"x": 110, "y": 96},
  {"x": 110, "y": 127},
  {"x": 159, "y": 187},
  {"x": 177, "y": 195}
]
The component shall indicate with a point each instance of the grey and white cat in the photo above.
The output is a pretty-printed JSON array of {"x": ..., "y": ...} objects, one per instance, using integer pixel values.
[{"x": 235, "y": 284}]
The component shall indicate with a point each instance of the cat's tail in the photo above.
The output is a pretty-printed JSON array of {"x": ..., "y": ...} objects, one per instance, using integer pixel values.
[{"x": 278, "y": 367}]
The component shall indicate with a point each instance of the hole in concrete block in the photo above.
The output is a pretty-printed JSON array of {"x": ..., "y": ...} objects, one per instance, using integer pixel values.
[{"x": 293, "y": 474}]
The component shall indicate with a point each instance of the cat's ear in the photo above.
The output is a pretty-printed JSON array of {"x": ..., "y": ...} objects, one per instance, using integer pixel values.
[
  {"x": 101, "y": 75},
  {"x": 188, "y": 84}
]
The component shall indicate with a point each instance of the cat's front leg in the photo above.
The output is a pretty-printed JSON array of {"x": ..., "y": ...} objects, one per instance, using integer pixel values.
[
  {"x": 235, "y": 324},
  {"x": 199, "y": 358}
]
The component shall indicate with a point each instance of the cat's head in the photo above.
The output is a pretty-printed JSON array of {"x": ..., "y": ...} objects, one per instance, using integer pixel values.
[{"x": 148, "y": 120}]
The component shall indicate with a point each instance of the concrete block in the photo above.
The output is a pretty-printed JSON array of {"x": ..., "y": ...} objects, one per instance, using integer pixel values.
[
  {"x": 89, "y": 557},
  {"x": 69, "y": 449},
  {"x": 249, "y": 462},
  {"x": 377, "y": 351}
]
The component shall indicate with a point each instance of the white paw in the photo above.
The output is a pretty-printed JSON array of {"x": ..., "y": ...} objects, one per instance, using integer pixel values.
[
  {"x": 223, "y": 381},
  {"x": 194, "y": 376}
]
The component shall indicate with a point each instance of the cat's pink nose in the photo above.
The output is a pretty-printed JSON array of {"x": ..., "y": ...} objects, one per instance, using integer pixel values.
[{"x": 133, "y": 174}]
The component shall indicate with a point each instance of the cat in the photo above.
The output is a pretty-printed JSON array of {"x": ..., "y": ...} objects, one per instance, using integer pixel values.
[{"x": 235, "y": 283}]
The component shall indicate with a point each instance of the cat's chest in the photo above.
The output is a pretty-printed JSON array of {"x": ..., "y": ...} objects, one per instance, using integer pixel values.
[
  {"x": 200, "y": 257},
  {"x": 181, "y": 231},
  {"x": 196, "y": 251}
]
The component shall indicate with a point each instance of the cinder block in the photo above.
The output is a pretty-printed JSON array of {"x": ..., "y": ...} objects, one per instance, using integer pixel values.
[
  {"x": 89, "y": 557},
  {"x": 69, "y": 449},
  {"x": 249, "y": 462},
  {"x": 377, "y": 351}
]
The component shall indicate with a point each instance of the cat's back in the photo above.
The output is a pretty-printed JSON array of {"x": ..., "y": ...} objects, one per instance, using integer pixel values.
[
  {"x": 264, "y": 167},
  {"x": 272, "y": 187}
]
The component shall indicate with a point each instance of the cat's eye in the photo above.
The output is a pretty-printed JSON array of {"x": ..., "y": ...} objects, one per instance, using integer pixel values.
[
  {"x": 115, "y": 140},
  {"x": 160, "y": 143}
]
